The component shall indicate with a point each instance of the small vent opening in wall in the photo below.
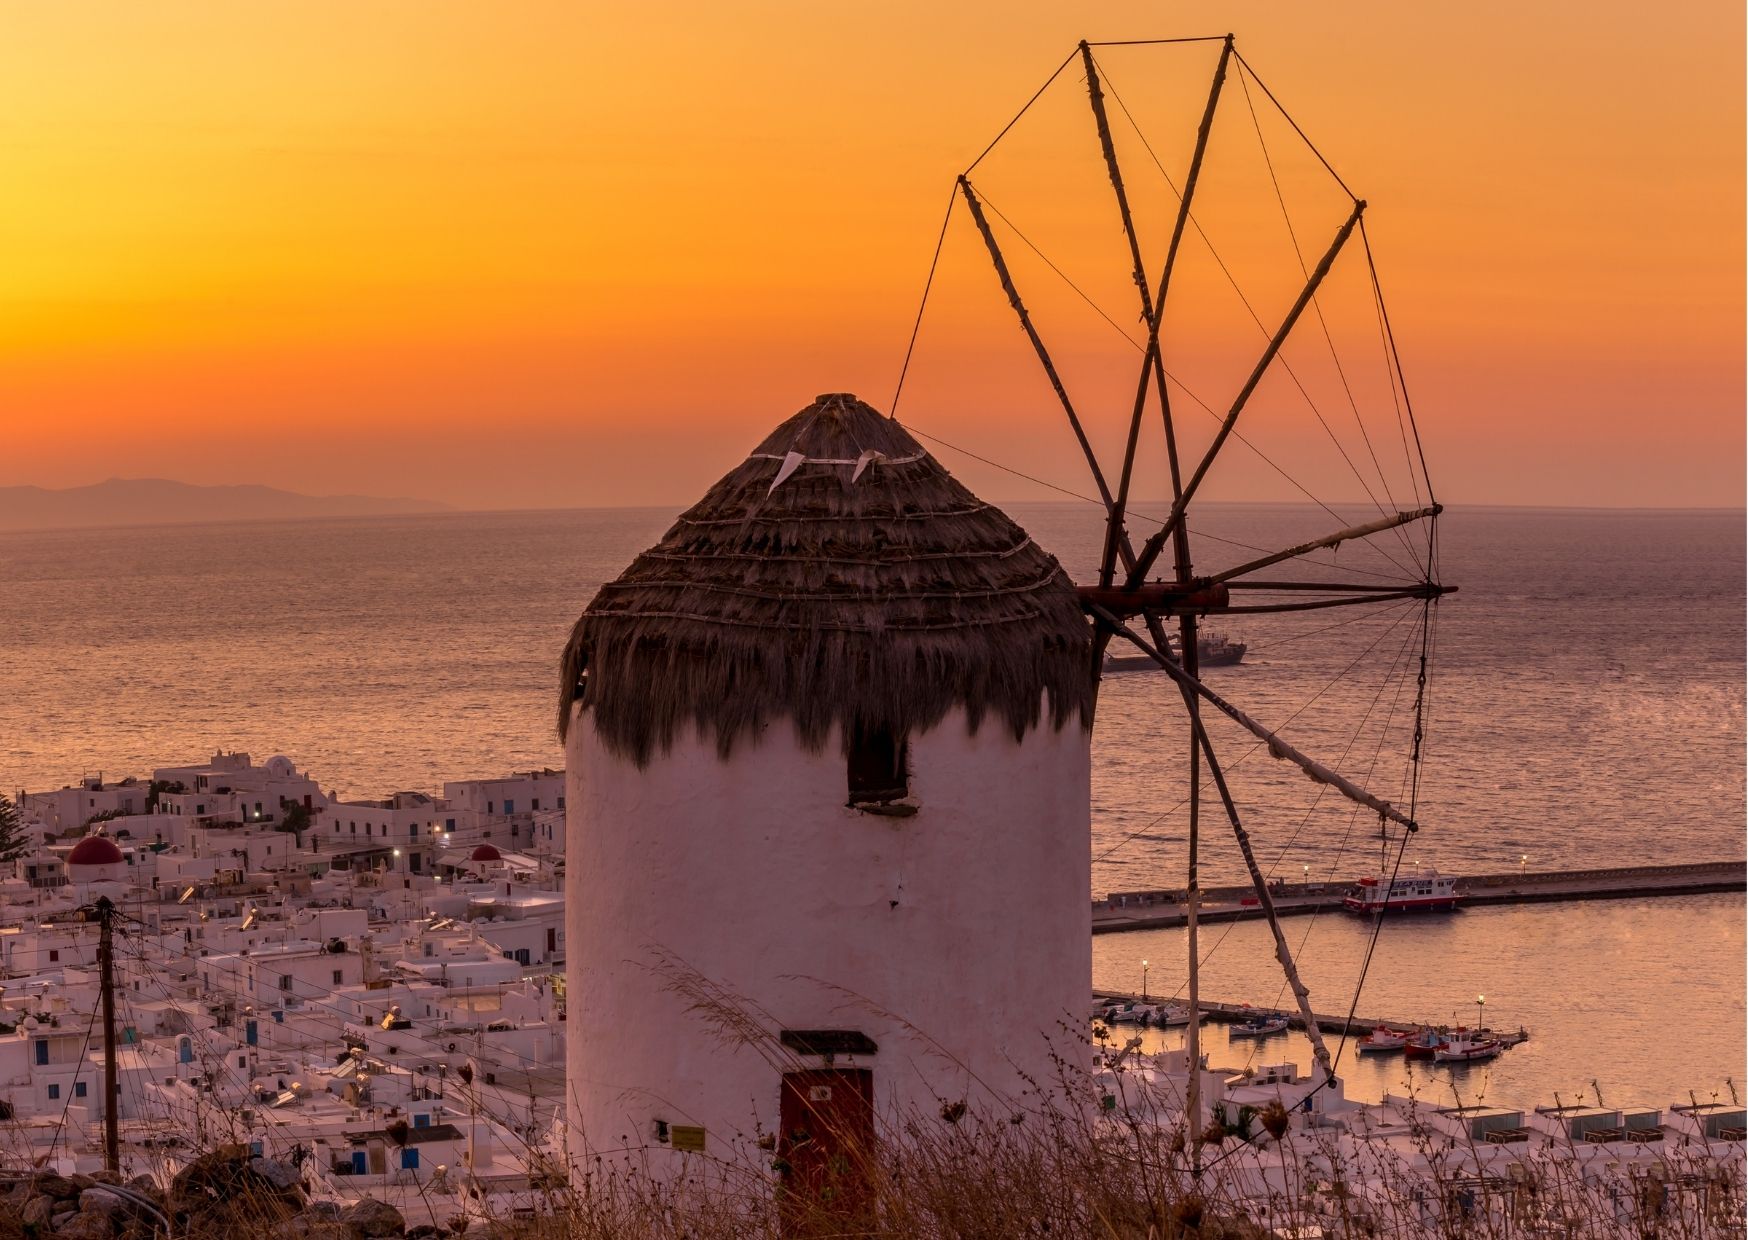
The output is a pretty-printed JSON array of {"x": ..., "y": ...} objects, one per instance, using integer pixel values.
[{"x": 879, "y": 767}]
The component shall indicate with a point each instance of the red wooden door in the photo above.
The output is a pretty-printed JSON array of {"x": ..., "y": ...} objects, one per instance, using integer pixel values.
[{"x": 825, "y": 1146}]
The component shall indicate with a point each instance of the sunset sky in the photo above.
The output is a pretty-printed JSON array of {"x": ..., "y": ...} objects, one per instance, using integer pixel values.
[{"x": 552, "y": 254}]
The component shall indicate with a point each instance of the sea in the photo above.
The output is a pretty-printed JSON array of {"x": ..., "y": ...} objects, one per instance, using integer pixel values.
[{"x": 1583, "y": 706}]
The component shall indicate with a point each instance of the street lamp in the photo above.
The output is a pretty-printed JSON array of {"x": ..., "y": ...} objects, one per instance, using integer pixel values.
[
  {"x": 1143, "y": 981},
  {"x": 1480, "y": 1007},
  {"x": 1307, "y": 876},
  {"x": 1521, "y": 862}
]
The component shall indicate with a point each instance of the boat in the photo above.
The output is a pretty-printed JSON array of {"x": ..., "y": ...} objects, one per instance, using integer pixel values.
[
  {"x": 1423, "y": 1044},
  {"x": 1258, "y": 1027},
  {"x": 1212, "y": 650},
  {"x": 1171, "y": 1015},
  {"x": 1382, "y": 1040},
  {"x": 1462, "y": 1050},
  {"x": 1427, "y": 891}
]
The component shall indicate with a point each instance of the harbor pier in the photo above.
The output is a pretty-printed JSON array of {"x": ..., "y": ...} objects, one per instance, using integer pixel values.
[
  {"x": 1161, "y": 909},
  {"x": 1233, "y": 1013}
]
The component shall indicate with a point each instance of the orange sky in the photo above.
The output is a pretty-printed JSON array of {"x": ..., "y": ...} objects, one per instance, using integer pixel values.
[{"x": 525, "y": 253}]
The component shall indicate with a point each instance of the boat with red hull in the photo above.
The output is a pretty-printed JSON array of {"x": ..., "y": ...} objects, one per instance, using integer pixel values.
[{"x": 1427, "y": 891}]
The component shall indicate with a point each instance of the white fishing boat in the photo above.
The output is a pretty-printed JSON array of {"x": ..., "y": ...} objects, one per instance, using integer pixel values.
[
  {"x": 1383, "y": 1039},
  {"x": 1462, "y": 1050},
  {"x": 1172, "y": 1015},
  {"x": 1259, "y": 1027}
]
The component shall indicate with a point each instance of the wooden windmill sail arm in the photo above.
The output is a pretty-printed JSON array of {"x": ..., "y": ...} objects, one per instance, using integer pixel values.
[
  {"x": 1283, "y": 953},
  {"x": 1332, "y": 540},
  {"x": 1025, "y": 317},
  {"x": 1152, "y": 304},
  {"x": 1150, "y": 550},
  {"x": 1278, "y": 747}
]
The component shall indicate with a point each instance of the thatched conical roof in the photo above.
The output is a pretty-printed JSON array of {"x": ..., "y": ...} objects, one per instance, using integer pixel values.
[{"x": 838, "y": 576}]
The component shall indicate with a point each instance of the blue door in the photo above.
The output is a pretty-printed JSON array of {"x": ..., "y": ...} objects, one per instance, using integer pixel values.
[
  {"x": 359, "y": 1165},
  {"x": 42, "y": 1050},
  {"x": 409, "y": 1160},
  {"x": 251, "y": 1034}
]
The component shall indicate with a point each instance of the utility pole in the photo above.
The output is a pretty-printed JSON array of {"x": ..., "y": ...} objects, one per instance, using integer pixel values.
[{"x": 106, "y": 975}]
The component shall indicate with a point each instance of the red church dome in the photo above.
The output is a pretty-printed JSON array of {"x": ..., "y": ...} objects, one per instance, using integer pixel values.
[
  {"x": 94, "y": 850},
  {"x": 485, "y": 852}
]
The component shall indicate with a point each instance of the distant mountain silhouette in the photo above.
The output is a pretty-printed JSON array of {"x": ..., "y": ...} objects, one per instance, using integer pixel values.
[{"x": 158, "y": 501}]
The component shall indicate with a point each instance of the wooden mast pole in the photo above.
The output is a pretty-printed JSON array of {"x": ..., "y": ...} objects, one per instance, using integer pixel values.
[
  {"x": 1153, "y": 367},
  {"x": 106, "y": 983}
]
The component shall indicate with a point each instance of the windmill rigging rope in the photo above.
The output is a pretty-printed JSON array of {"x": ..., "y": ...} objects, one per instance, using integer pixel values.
[
  {"x": 1231, "y": 925},
  {"x": 1399, "y": 611},
  {"x": 1255, "y": 317},
  {"x": 1390, "y": 374},
  {"x": 1183, "y": 387},
  {"x": 1353, "y": 817},
  {"x": 929, "y": 283},
  {"x": 1198, "y": 531},
  {"x": 1323, "y": 323},
  {"x": 1420, "y": 696},
  {"x": 1402, "y": 378}
]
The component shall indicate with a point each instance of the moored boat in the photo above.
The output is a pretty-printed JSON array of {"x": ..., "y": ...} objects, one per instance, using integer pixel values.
[
  {"x": 1212, "y": 650},
  {"x": 1383, "y": 1039},
  {"x": 1424, "y": 1043},
  {"x": 1462, "y": 1050},
  {"x": 1258, "y": 1027},
  {"x": 1425, "y": 892}
]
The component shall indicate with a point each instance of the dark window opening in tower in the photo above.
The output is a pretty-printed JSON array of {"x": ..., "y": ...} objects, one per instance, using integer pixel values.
[{"x": 879, "y": 767}]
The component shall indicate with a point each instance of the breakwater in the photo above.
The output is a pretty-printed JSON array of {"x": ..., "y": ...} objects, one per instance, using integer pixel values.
[{"x": 1155, "y": 909}]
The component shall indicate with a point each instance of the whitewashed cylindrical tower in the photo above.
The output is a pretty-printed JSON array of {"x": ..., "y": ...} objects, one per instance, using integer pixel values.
[{"x": 828, "y": 805}]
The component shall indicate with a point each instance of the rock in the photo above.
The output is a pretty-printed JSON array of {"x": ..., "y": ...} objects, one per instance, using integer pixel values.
[
  {"x": 60, "y": 1218},
  {"x": 84, "y": 1227},
  {"x": 373, "y": 1219},
  {"x": 106, "y": 1176},
  {"x": 276, "y": 1173},
  {"x": 426, "y": 1231},
  {"x": 147, "y": 1185},
  {"x": 323, "y": 1209},
  {"x": 37, "y": 1211},
  {"x": 98, "y": 1200},
  {"x": 223, "y": 1189},
  {"x": 58, "y": 1186}
]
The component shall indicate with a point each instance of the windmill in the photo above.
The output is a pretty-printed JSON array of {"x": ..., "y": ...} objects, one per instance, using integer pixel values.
[{"x": 1134, "y": 585}]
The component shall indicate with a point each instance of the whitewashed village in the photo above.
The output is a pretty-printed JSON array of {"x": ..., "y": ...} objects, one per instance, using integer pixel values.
[
  {"x": 732, "y": 947},
  {"x": 369, "y": 992}
]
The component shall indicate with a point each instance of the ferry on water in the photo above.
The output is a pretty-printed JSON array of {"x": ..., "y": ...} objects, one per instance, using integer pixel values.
[{"x": 1426, "y": 891}]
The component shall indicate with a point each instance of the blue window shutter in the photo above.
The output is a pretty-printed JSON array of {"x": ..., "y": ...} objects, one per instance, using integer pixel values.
[
  {"x": 421, "y": 1121},
  {"x": 54, "y": 1091},
  {"x": 78, "y": 1089},
  {"x": 409, "y": 1160},
  {"x": 42, "y": 1050},
  {"x": 359, "y": 1165}
]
